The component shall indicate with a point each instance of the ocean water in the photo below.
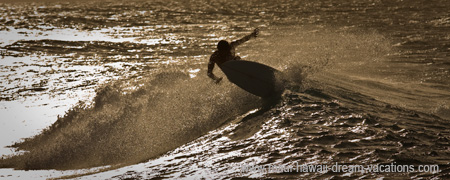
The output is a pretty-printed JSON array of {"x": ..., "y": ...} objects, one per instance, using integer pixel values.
[{"x": 118, "y": 89}]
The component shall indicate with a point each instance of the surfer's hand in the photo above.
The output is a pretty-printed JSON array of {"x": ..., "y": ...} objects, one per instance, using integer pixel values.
[
  {"x": 255, "y": 32},
  {"x": 217, "y": 81}
]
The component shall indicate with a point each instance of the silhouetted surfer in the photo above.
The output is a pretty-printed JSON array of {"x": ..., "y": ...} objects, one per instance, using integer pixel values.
[{"x": 226, "y": 52}]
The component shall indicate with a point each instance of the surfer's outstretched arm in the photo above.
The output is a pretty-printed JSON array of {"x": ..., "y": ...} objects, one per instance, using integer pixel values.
[{"x": 254, "y": 34}]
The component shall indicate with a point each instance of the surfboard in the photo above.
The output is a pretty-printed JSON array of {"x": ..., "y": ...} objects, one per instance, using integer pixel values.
[{"x": 255, "y": 78}]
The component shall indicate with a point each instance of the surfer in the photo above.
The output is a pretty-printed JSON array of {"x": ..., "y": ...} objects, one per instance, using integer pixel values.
[{"x": 226, "y": 52}]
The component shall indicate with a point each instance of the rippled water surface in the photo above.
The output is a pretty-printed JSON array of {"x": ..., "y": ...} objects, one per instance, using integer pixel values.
[{"x": 122, "y": 86}]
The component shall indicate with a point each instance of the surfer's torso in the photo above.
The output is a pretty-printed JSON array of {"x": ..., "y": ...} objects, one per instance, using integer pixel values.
[
  {"x": 219, "y": 57},
  {"x": 226, "y": 54}
]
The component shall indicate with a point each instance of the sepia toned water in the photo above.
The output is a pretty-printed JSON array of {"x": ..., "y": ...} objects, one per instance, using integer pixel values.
[{"x": 118, "y": 89}]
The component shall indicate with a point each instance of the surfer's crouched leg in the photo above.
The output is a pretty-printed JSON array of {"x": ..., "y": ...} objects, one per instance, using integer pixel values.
[
  {"x": 267, "y": 104},
  {"x": 271, "y": 101}
]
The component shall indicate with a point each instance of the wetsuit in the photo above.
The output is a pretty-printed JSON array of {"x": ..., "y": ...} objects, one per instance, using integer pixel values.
[{"x": 219, "y": 57}]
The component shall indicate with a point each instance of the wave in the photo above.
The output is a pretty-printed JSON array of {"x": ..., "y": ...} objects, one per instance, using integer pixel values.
[
  {"x": 169, "y": 109},
  {"x": 309, "y": 127}
]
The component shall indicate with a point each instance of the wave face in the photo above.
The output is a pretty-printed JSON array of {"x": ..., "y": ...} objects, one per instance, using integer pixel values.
[
  {"x": 309, "y": 128},
  {"x": 365, "y": 83}
]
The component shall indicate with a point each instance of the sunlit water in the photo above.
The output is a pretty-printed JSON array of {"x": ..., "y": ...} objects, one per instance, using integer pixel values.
[{"x": 368, "y": 84}]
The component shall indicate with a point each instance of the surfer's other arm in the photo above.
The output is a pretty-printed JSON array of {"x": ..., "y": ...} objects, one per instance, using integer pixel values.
[
  {"x": 254, "y": 34},
  {"x": 210, "y": 72}
]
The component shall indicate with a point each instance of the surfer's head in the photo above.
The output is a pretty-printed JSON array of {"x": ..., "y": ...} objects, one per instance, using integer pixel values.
[{"x": 223, "y": 45}]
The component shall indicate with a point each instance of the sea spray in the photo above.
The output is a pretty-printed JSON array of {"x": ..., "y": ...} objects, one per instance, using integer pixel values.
[{"x": 170, "y": 109}]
